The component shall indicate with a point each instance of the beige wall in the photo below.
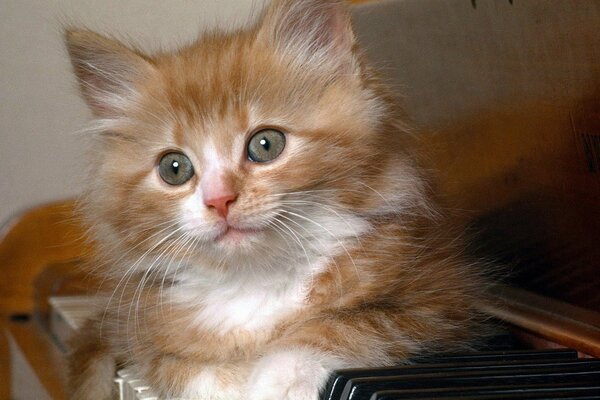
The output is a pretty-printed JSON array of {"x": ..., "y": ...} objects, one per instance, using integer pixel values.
[{"x": 40, "y": 111}]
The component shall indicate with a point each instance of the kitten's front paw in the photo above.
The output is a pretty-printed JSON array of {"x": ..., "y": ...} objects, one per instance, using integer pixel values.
[
  {"x": 177, "y": 379},
  {"x": 296, "y": 374}
]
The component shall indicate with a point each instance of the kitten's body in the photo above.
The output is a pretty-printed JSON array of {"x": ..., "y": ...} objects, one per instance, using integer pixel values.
[{"x": 331, "y": 255}]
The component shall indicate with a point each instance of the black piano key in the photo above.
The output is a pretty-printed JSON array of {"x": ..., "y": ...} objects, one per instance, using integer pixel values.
[
  {"x": 556, "y": 354},
  {"x": 515, "y": 396},
  {"x": 363, "y": 388},
  {"x": 552, "y": 389},
  {"x": 590, "y": 395},
  {"x": 334, "y": 388},
  {"x": 525, "y": 396}
]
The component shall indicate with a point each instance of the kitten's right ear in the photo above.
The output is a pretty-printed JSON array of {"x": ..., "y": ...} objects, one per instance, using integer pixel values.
[
  {"x": 313, "y": 32},
  {"x": 108, "y": 72}
]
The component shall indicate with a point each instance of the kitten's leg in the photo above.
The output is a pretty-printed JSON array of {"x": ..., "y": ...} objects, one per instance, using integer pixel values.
[
  {"x": 298, "y": 365},
  {"x": 91, "y": 366},
  {"x": 188, "y": 378},
  {"x": 294, "y": 373}
]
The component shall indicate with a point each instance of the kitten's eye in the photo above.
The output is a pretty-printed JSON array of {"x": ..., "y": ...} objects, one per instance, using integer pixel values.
[
  {"x": 266, "y": 145},
  {"x": 175, "y": 168}
]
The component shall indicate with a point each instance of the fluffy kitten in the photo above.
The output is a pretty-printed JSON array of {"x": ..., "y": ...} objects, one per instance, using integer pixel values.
[{"x": 259, "y": 215}]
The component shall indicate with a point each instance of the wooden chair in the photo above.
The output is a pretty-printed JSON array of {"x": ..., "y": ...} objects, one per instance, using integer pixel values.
[{"x": 40, "y": 244}]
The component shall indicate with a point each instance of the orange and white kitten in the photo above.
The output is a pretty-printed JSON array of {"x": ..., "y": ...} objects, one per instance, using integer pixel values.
[{"x": 258, "y": 211}]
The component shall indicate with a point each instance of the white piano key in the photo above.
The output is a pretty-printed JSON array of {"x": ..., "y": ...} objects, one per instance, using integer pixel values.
[
  {"x": 147, "y": 396},
  {"x": 120, "y": 386},
  {"x": 126, "y": 373},
  {"x": 139, "y": 385}
]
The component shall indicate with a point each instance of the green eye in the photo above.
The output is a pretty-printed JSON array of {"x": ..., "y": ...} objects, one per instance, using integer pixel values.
[
  {"x": 266, "y": 145},
  {"x": 175, "y": 168}
]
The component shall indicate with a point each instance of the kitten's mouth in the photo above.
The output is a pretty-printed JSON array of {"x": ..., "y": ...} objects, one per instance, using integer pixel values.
[{"x": 236, "y": 234}]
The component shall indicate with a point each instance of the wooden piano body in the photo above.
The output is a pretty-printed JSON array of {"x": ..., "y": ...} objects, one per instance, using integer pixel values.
[{"x": 507, "y": 97}]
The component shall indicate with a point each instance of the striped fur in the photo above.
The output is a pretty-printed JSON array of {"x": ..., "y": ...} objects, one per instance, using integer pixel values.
[{"x": 341, "y": 256}]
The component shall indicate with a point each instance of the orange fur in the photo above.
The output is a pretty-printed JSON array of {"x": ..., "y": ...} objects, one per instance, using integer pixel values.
[{"x": 352, "y": 263}]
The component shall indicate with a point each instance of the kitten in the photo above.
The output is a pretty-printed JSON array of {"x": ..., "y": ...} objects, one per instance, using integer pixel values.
[{"x": 260, "y": 216}]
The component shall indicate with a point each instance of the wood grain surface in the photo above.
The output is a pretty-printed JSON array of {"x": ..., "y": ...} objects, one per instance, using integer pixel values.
[{"x": 29, "y": 244}]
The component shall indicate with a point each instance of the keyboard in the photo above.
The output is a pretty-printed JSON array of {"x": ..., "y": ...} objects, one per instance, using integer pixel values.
[
  {"x": 531, "y": 374},
  {"x": 494, "y": 375},
  {"x": 507, "y": 374}
]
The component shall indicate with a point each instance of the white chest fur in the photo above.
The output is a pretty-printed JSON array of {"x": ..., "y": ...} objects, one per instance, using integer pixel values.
[
  {"x": 250, "y": 306},
  {"x": 250, "y": 303}
]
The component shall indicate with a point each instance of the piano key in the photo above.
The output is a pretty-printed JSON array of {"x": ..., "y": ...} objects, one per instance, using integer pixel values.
[
  {"x": 519, "y": 396},
  {"x": 554, "y": 389},
  {"x": 126, "y": 373},
  {"x": 363, "y": 388},
  {"x": 514, "y": 355},
  {"x": 336, "y": 384},
  {"x": 120, "y": 382},
  {"x": 147, "y": 396},
  {"x": 526, "y": 396},
  {"x": 522, "y": 396}
]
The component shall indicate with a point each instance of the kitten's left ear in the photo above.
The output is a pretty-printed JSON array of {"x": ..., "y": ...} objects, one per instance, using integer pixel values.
[{"x": 314, "y": 32}]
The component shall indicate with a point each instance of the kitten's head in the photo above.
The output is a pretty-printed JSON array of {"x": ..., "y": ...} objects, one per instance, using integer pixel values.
[{"x": 272, "y": 142}]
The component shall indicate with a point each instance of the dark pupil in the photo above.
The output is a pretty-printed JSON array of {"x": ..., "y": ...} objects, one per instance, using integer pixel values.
[
  {"x": 175, "y": 166},
  {"x": 264, "y": 142}
]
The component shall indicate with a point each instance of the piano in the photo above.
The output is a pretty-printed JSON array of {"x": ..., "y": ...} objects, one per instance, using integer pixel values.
[
  {"x": 508, "y": 369},
  {"x": 548, "y": 374},
  {"x": 507, "y": 97}
]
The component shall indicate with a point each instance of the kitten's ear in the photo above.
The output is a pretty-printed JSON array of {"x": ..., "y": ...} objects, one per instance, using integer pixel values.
[
  {"x": 311, "y": 31},
  {"x": 108, "y": 72}
]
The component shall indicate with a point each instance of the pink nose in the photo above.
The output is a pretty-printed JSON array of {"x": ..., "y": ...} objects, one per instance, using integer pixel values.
[{"x": 221, "y": 204}]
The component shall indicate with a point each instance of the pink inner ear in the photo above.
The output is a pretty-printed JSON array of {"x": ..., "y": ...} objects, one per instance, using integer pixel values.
[
  {"x": 310, "y": 24},
  {"x": 337, "y": 30},
  {"x": 106, "y": 69},
  {"x": 96, "y": 91}
]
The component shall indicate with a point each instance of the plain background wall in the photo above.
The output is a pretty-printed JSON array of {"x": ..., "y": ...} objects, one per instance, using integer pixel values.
[
  {"x": 41, "y": 153},
  {"x": 450, "y": 59}
]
